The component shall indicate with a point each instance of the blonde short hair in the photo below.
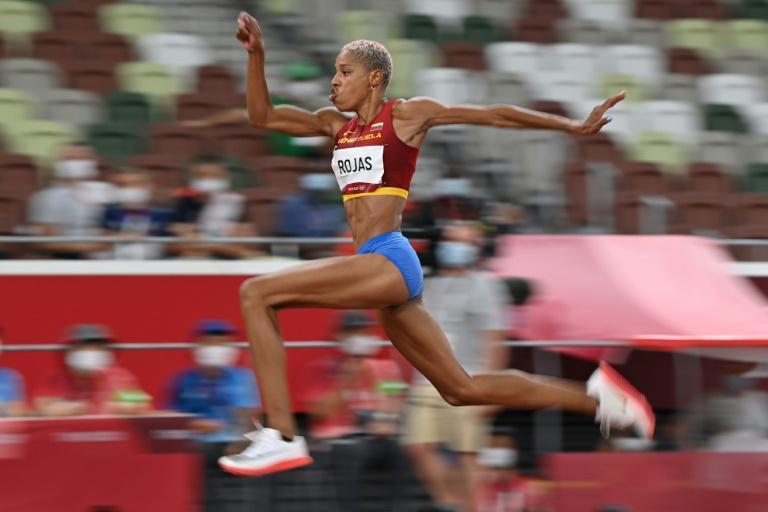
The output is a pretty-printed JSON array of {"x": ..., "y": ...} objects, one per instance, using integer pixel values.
[{"x": 373, "y": 55}]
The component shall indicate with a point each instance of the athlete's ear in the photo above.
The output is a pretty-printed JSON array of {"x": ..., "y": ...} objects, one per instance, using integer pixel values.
[{"x": 375, "y": 78}]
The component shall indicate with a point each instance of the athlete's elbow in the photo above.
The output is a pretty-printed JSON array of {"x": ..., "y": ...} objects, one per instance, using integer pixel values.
[{"x": 257, "y": 121}]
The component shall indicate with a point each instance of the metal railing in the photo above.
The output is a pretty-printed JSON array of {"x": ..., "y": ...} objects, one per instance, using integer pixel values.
[
  {"x": 639, "y": 344},
  {"x": 262, "y": 240}
]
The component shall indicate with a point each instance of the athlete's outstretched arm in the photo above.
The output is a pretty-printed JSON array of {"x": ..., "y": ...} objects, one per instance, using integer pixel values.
[
  {"x": 421, "y": 114},
  {"x": 282, "y": 118}
]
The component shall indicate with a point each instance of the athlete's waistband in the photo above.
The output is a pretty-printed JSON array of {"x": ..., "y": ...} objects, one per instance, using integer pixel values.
[{"x": 381, "y": 191}]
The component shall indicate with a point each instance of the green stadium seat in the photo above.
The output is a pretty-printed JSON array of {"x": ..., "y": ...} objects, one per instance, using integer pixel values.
[
  {"x": 754, "y": 9},
  {"x": 15, "y": 106},
  {"x": 662, "y": 150},
  {"x": 281, "y": 7},
  {"x": 612, "y": 83},
  {"x": 749, "y": 35},
  {"x": 40, "y": 140},
  {"x": 155, "y": 81},
  {"x": 420, "y": 26},
  {"x": 130, "y": 20},
  {"x": 724, "y": 118},
  {"x": 756, "y": 179},
  {"x": 115, "y": 141},
  {"x": 19, "y": 20},
  {"x": 365, "y": 25},
  {"x": 700, "y": 35},
  {"x": 410, "y": 56},
  {"x": 479, "y": 30},
  {"x": 130, "y": 108}
]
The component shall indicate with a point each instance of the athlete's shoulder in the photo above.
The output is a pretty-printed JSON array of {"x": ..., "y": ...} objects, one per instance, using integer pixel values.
[
  {"x": 418, "y": 105},
  {"x": 332, "y": 117}
]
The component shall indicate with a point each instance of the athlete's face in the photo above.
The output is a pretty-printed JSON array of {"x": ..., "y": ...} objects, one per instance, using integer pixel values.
[{"x": 351, "y": 84}]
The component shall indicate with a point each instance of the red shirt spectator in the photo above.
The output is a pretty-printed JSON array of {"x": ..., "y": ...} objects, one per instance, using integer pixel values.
[
  {"x": 91, "y": 383},
  {"x": 98, "y": 390}
]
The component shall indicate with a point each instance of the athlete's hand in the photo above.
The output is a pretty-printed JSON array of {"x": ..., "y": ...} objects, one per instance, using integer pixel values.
[
  {"x": 249, "y": 32},
  {"x": 597, "y": 118}
]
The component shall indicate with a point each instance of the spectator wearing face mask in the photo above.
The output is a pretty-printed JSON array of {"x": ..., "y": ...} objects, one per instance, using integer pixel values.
[
  {"x": 224, "y": 395},
  {"x": 225, "y": 398},
  {"x": 313, "y": 211},
  {"x": 12, "y": 396},
  {"x": 72, "y": 205},
  {"x": 470, "y": 307},
  {"x": 132, "y": 214},
  {"x": 209, "y": 208},
  {"x": 500, "y": 487},
  {"x": 91, "y": 382}
]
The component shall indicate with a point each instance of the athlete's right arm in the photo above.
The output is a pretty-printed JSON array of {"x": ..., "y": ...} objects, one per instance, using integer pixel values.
[{"x": 282, "y": 118}]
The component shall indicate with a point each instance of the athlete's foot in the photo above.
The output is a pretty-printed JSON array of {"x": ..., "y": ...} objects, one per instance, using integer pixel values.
[
  {"x": 620, "y": 405},
  {"x": 267, "y": 453}
]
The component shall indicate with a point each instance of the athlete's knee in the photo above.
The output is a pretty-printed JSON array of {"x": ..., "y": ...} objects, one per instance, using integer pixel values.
[{"x": 252, "y": 291}]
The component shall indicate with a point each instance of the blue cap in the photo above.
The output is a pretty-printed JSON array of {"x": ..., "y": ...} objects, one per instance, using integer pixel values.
[{"x": 213, "y": 327}]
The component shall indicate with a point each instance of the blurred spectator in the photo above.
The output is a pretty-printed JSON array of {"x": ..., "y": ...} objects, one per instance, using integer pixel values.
[
  {"x": 226, "y": 398},
  {"x": 223, "y": 394},
  {"x": 454, "y": 200},
  {"x": 734, "y": 418},
  {"x": 355, "y": 404},
  {"x": 132, "y": 214},
  {"x": 470, "y": 307},
  {"x": 500, "y": 487},
  {"x": 91, "y": 382},
  {"x": 12, "y": 396},
  {"x": 209, "y": 209},
  {"x": 314, "y": 211},
  {"x": 72, "y": 205}
]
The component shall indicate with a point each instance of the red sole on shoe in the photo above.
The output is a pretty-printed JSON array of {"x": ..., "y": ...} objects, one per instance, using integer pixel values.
[
  {"x": 274, "y": 468},
  {"x": 634, "y": 395}
]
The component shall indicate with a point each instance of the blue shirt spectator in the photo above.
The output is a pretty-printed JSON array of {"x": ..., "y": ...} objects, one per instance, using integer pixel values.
[
  {"x": 133, "y": 215},
  {"x": 223, "y": 395},
  {"x": 11, "y": 391},
  {"x": 314, "y": 211}
]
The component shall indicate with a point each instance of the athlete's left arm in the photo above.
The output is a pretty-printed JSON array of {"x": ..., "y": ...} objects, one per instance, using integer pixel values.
[{"x": 424, "y": 113}]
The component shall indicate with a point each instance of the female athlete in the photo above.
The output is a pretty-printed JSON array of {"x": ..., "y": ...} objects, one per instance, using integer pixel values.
[{"x": 373, "y": 160}]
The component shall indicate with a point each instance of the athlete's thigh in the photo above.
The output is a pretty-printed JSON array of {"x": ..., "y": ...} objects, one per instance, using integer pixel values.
[
  {"x": 419, "y": 338},
  {"x": 362, "y": 281}
]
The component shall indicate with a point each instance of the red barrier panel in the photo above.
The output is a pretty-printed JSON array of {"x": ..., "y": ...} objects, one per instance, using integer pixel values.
[
  {"x": 76, "y": 464},
  {"x": 39, "y": 309},
  {"x": 660, "y": 482}
]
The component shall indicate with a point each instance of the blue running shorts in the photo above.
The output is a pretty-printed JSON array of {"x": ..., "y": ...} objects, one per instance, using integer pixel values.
[{"x": 397, "y": 249}]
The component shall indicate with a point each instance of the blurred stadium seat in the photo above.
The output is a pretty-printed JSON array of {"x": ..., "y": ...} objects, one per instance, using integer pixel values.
[{"x": 40, "y": 139}]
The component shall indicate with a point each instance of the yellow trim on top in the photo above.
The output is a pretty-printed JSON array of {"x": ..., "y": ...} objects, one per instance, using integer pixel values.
[{"x": 382, "y": 191}]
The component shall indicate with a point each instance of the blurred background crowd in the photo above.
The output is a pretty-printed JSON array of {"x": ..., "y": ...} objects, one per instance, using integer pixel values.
[{"x": 125, "y": 119}]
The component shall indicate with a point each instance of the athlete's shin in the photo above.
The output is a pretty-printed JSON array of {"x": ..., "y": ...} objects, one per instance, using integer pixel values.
[
  {"x": 520, "y": 390},
  {"x": 268, "y": 355}
]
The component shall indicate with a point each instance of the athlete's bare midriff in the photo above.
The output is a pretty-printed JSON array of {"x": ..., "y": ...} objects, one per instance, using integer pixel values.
[{"x": 369, "y": 216}]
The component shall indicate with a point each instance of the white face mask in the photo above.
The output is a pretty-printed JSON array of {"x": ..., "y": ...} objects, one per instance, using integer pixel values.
[
  {"x": 499, "y": 458},
  {"x": 359, "y": 345},
  {"x": 89, "y": 360},
  {"x": 133, "y": 195},
  {"x": 75, "y": 169},
  {"x": 216, "y": 356},
  {"x": 210, "y": 185},
  {"x": 456, "y": 254}
]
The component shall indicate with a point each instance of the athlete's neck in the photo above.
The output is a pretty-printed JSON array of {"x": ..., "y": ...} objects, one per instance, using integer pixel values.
[{"x": 371, "y": 108}]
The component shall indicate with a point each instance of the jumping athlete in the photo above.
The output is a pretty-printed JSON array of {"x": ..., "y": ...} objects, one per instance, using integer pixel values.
[{"x": 374, "y": 159}]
